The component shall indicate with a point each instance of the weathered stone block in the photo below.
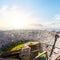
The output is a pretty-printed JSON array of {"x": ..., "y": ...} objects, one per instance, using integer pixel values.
[{"x": 25, "y": 53}]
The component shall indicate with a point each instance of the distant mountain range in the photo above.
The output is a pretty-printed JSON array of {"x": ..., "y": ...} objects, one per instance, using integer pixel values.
[{"x": 52, "y": 26}]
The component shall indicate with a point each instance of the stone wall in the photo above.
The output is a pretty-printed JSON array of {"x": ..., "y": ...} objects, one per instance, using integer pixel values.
[{"x": 28, "y": 52}]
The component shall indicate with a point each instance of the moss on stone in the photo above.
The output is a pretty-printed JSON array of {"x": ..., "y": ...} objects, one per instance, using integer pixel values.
[
  {"x": 20, "y": 46},
  {"x": 43, "y": 55},
  {"x": 15, "y": 46}
]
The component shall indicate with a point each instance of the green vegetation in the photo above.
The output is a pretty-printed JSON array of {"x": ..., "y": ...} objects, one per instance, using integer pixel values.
[
  {"x": 14, "y": 46},
  {"x": 32, "y": 44},
  {"x": 43, "y": 55},
  {"x": 20, "y": 46}
]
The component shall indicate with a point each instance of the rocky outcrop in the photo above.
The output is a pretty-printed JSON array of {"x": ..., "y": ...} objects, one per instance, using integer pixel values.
[{"x": 44, "y": 36}]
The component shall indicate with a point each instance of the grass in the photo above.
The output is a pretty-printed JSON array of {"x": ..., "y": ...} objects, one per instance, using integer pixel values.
[
  {"x": 20, "y": 46},
  {"x": 44, "y": 55},
  {"x": 14, "y": 46}
]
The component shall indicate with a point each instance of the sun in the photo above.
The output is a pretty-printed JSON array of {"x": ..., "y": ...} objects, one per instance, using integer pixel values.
[
  {"x": 15, "y": 18},
  {"x": 19, "y": 24}
]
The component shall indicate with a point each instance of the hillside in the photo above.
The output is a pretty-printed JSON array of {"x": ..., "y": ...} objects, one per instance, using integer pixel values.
[{"x": 44, "y": 36}]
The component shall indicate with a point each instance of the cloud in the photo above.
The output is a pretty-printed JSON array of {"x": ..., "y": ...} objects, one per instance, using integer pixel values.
[
  {"x": 55, "y": 23},
  {"x": 57, "y": 17},
  {"x": 14, "y": 17}
]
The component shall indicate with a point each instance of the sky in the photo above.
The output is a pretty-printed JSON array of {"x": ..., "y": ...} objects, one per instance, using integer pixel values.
[{"x": 29, "y": 14}]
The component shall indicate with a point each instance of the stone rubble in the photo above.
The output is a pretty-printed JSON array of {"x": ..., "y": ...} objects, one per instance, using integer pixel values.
[{"x": 44, "y": 36}]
